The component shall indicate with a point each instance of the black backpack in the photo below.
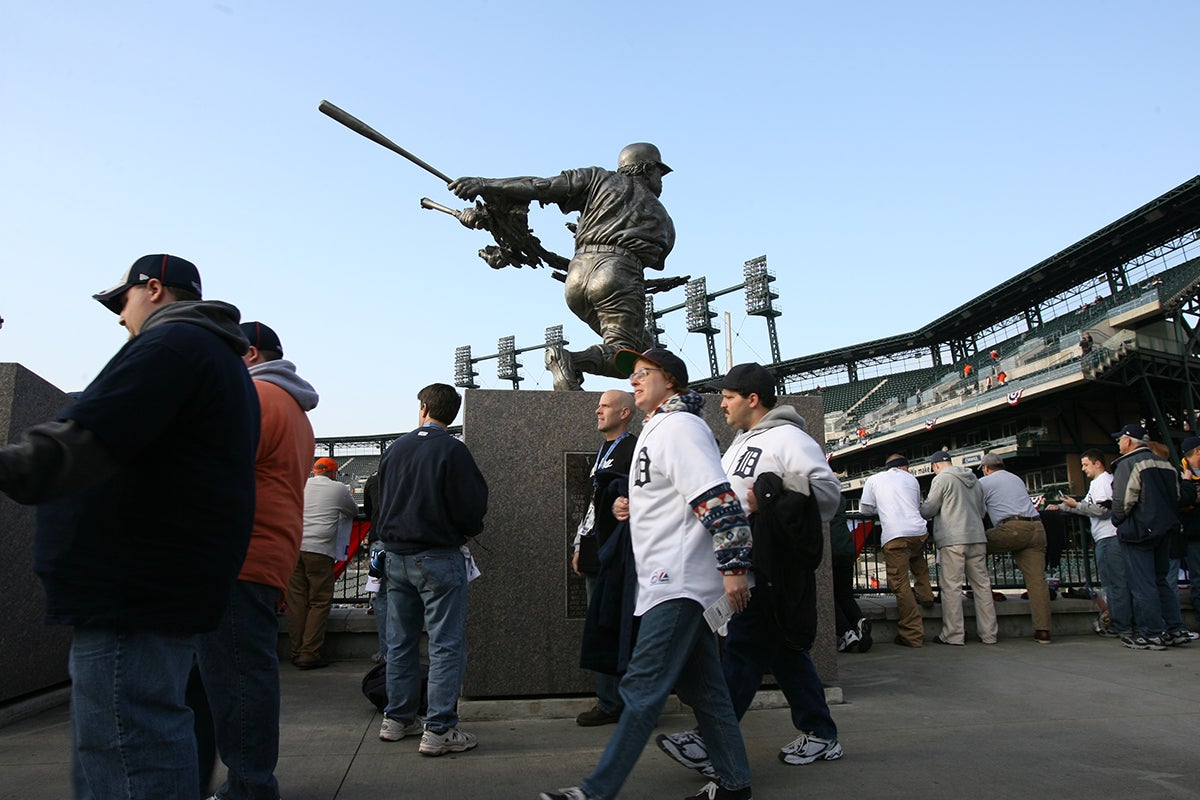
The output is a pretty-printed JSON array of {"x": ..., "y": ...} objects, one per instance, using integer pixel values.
[{"x": 374, "y": 687}]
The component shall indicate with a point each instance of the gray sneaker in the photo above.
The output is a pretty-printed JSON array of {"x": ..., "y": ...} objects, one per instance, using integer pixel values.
[
  {"x": 452, "y": 741},
  {"x": 1177, "y": 638},
  {"x": 571, "y": 793},
  {"x": 393, "y": 730},
  {"x": 688, "y": 749},
  {"x": 806, "y": 748},
  {"x": 1138, "y": 642}
]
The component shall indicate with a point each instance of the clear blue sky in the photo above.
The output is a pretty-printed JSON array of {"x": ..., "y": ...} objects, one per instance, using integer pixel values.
[{"x": 891, "y": 160}]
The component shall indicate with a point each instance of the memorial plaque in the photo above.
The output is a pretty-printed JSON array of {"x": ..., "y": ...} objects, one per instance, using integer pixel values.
[{"x": 577, "y": 493}]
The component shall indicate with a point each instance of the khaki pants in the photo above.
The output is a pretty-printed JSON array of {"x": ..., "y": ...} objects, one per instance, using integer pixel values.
[
  {"x": 902, "y": 555},
  {"x": 309, "y": 595},
  {"x": 1026, "y": 540},
  {"x": 967, "y": 561}
]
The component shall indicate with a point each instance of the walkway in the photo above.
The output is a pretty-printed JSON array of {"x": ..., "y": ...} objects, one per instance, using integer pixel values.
[{"x": 1082, "y": 718}]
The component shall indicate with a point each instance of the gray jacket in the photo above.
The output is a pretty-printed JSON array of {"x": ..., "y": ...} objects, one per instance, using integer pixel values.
[{"x": 955, "y": 504}]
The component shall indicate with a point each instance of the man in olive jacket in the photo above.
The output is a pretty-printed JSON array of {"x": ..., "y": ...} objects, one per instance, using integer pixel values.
[{"x": 955, "y": 504}]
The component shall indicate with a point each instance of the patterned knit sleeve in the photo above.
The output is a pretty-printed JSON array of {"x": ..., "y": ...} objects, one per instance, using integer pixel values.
[{"x": 720, "y": 511}]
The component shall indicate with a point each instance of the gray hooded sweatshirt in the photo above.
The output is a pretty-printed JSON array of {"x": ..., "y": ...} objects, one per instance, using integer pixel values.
[
  {"x": 282, "y": 373},
  {"x": 955, "y": 504}
]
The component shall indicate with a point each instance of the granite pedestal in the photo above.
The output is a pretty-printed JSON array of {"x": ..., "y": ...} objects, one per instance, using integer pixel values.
[
  {"x": 33, "y": 656},
  {"x": 527, "y": 610}
]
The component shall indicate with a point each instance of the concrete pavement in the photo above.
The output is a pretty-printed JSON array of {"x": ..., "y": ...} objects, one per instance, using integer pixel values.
[{"x": 1081, "y": 718}]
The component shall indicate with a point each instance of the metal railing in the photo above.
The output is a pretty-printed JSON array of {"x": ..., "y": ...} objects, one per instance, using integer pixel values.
[
  {"x": 351, "y": 586},
  {"x": 1073, "y": 564},
  {"x": 1071, "y": 560}
]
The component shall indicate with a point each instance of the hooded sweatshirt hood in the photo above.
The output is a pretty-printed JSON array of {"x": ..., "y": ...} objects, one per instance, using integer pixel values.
[
  {"x": 215, "y": 316},
  {"x": 282, "y": 373},
  {"x": 963, "y": 474},
  {"x": 782, "y": 414},
  {"x": 955, "y": 504}
]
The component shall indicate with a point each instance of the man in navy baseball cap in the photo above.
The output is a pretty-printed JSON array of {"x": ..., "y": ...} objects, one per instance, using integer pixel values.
[
  {"x": 171, "y": 271},
  {"x": 263, "y": 338},
  {"x": 1133, "y": 431}
]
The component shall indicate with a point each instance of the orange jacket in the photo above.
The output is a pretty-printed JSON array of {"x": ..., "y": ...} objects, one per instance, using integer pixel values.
[{"x": 285, "y": 454}]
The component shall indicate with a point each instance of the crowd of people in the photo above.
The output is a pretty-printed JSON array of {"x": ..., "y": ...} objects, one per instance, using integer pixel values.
[{"x": 1144, "y": 519}]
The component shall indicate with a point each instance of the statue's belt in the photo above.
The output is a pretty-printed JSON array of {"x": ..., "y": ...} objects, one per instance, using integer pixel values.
[{"x": 610, "y": 248}]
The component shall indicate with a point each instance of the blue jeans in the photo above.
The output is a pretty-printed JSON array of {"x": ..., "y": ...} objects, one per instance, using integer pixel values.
[
  {"x": 607, "y": 693},
  {"x": 426, "y": 591},
  {"x": 674, "y": 649},
  {"x": 1110, "y": 561},
  {"x": 755, "y": 647},
  {"x": 1155, "y": 604},
  {"x": 133, "y": 733},
  {"x": 379, "y": 606},
  {"x": 239, "y": 664}
]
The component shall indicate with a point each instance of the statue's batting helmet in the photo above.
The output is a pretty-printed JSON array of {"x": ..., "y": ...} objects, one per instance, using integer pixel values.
[{"x": 641, "y": 153}]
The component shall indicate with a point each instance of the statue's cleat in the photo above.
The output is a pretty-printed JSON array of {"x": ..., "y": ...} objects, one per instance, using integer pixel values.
[{"x": 558, "y": 361}]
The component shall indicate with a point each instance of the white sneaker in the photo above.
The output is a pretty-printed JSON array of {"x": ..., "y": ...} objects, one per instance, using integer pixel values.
[
  {"x": 452, "y": 741},
  {"x": 687, "y": 748},
  {"x": 571, "y": 793},
  {"x": 393, "y": 730},
  {"x": 806, "y": 748}
]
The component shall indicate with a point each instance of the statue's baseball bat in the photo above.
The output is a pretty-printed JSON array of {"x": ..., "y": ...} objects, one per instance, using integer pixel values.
[
  {"x": 432, "y": 206},
  {"x": 363, "y": 129}
]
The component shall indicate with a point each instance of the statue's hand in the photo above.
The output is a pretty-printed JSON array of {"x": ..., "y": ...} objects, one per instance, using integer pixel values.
[
  {"x": 473, "y": 218},
  {"x": 467, "y": 188}
]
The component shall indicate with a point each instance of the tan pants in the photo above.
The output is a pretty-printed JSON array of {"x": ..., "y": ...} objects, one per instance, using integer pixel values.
[
  {"x": 967, "y": 561},
  {"x": 901, "y": 556},
  {"x": 309, "y": 595},
  {"x": 1026, "y": 540}
]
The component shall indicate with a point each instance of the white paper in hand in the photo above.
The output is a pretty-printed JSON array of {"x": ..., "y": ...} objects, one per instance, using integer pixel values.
[{"x": 717, "y": 615}]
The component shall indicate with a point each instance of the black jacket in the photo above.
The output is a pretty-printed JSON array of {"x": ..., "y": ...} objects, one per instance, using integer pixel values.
[
  {"x": 611, "y": 628},
  {"x": 431, "y": 492},
  {"x": 1145, "y": 497},
  {"x": 788, "y": 543},
  {"x": 609, "y": 477},
  {"x": 155, "y": 538}
]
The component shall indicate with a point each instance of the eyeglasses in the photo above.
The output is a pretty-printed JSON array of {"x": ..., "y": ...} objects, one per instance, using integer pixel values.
[{"x": 641, "y": 374}]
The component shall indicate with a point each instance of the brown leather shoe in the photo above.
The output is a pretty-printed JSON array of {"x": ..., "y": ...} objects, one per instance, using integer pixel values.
[
  {"x": 1041, "y": 637},
  {"x": 596, "y": 716}
]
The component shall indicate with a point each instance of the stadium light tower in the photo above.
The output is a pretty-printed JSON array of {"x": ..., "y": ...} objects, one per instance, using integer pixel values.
[
  {"x": 699, "y": 318},
  {"x": 506, "y": 361},
  {"x": 759, "y": 299},
  {"x": 464, "y": 372}
]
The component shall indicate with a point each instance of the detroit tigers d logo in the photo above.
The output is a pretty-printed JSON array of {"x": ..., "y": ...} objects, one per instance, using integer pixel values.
[
  {"x": 747, "y": 462},
  {"x": 641, "y": 469}
]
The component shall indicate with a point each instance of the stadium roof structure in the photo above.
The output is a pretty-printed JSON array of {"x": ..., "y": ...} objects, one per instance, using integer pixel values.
[{"x": 1103, "y": 253}]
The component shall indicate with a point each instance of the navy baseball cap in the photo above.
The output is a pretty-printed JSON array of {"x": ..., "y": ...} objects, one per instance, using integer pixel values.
[
  {"x": 939, "y": 456},
  {"x": 1189, "y": 444},
  {"x": 1133, "y": 431},
  {"x": 659, "y": 356},
  {"x": 748, "y": 379},
  {"x": 169, "y": 270},
  {"x": 262, "y": 336}
]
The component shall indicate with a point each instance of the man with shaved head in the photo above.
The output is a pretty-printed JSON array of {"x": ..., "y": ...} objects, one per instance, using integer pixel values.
[{"x": 610, "y": 475}]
